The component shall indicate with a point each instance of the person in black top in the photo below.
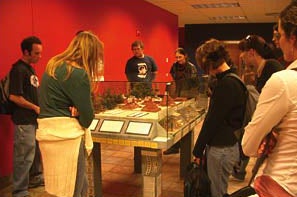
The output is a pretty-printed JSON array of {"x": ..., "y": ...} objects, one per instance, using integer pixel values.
[
  {"x": 224, "y": 116},
  {"x": 23, "y": 94},
  {"x": 181, "y": 70},
  {"x": 257, "y": 53}
]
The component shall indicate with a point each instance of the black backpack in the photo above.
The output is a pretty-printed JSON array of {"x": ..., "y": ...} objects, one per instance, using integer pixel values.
[
  {"x": 196, "y": 182},
  {"x": 5, "y": 103}
]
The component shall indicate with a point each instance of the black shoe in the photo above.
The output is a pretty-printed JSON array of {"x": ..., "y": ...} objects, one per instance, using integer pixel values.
[
  {"x": 36, "y": 181},
  {"x": 171, "y": 151}
]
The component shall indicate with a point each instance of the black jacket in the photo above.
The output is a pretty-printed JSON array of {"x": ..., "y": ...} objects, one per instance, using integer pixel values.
[{"x": 224, "y": 116}]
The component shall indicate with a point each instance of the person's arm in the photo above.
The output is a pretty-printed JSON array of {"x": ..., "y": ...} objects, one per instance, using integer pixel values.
[
  {"x": 129, "y": 72},
  {"x": 78, "y": 89},
  {"x": 271, "y": 108},
  {"x": 154, "y": 65},
  {"x": 16, "y": 91},
  {"x": 193, "y": 70},
  {"x": 154, "y": 68},
  {"x": 22, "y": 102},
  {"x": 154, "y": 75},
  {"x": 173, "y": 71}
]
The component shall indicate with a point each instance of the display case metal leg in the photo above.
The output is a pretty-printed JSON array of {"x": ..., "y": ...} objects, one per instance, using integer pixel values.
[
  {"x": 137, "y": 159},
  {"x": 186, "y": 147},
  {"x": 97, "y": 173}
]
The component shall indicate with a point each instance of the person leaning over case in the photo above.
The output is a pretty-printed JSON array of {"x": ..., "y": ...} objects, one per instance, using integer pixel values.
[
  {"x": 277, "y": 111},
  {"x": 23, "y": 93},
  {"x": 66, "y": 84},
  {"x": 224, "y": 117},
  {"x": 254, "y": 51}
]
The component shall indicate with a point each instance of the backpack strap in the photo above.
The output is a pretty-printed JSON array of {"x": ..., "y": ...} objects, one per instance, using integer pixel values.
[
  {"x": 243, "y": 85},
  {"x": 237, "y": 77}
]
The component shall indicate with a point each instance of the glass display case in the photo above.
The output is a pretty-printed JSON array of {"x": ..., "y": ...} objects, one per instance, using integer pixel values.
[
  {"x": 149, "y": 117},
  {"x": 147, "y": 114}
]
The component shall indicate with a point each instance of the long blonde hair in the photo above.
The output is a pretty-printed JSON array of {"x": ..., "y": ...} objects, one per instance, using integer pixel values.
[{"x": 84, "y": 51}]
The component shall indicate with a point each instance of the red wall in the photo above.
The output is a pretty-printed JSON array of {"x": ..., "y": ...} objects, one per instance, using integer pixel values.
[{"x": 56, "y": 21}]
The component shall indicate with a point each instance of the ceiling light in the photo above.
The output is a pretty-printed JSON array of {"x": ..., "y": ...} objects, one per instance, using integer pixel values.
[
  {"x": 215, "y": 18},
  {"x": 216, "y": 5}
]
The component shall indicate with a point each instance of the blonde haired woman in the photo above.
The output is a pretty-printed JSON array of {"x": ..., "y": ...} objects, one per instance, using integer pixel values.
[{"x": 66, "y": 87}]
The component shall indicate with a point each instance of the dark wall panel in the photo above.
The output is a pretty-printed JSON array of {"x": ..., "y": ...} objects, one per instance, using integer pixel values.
[{"x": 196, "y": 34}]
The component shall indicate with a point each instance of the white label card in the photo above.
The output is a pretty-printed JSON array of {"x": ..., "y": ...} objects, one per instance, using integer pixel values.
[
  {"x": 93, "y": 125},
  {"x": 142, "y": 128},
  {"x": 114, "y": 126}
]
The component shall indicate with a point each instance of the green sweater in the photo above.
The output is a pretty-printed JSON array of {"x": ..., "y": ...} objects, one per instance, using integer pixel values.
[{"x": 57, "y": 95}]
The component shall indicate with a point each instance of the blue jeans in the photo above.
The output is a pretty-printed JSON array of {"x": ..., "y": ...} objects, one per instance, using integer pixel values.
[
  {"x": 220, "y": 162},
  {"x": 81, "y": 183},
  {"x": 23, "y": 156},
  {"x": 36, "y": 168}
]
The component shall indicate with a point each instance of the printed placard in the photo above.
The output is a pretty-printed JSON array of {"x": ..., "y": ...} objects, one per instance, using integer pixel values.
[
  {"x": 94, "y": 124},
  {"x": 140, "y": 128},
  {"x": 113, "y": 126}
]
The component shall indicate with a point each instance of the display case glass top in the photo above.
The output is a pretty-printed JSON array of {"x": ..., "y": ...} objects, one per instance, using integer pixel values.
[{"x": 152, "y": 111}]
